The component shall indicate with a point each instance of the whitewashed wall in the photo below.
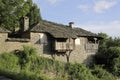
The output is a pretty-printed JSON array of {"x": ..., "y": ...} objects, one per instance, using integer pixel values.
[
  {"x": 43, "y": 38},
  {"x": 77, "y": 41}
]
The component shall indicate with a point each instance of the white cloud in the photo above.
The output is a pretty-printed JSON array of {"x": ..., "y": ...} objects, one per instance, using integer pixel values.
[
  {"x": 111, "y": 28},
  {"x": 84, "y": 7},
  {"x": 101, "y": 5},
  {"x": 54, "y": 1}
]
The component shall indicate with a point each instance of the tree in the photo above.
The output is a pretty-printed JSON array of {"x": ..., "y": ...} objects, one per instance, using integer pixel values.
[
  {"x": 109, "y": 54},
  {"x": 104, "y": 36},
  {"x": 101, "y": 55},
  {"x": 34, "y": 14},
  {"x": 11, "y": 11}
]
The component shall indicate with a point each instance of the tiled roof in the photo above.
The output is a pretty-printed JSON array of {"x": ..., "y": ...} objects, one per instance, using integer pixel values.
[
  {"x": 61, "y": 31},
  {"x": 56, "y": 30},
  {"x": 82, "y": 32}
]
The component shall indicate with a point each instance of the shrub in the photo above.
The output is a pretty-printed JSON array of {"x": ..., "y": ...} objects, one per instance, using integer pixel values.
[
  {"x": 110, "y": 59},
  {"x": 79, "y": 72},
  {"x": 26, "y": 65},
  {"x": 9, "y": 62},
  {"x": 23, "y": 75},
  {"x": 26, "y": 55},
  {"x": 102, "y": 74},
  {"x": 113, "y": 60}
]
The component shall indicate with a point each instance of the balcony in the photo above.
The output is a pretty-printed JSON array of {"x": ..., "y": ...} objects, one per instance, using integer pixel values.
[{"x": 63, "y": 46}]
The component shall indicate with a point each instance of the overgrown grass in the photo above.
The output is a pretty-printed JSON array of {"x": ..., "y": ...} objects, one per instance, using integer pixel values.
[
  {"x": 27, "y": 65},
  {"x": 9, "y": 62}
]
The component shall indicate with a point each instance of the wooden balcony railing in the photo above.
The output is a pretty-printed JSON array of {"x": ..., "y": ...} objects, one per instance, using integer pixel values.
[{"x": 62, "y": 46}]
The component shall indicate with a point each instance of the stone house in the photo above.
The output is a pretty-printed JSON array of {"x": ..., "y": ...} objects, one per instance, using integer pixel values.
[{"x": 60, "y": 42}]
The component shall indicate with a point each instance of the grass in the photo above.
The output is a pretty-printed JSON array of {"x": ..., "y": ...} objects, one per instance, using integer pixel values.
[{"x": 27, "y": 65}]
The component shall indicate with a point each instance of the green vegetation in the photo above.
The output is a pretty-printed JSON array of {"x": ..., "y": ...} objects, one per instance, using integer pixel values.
[
  {"x": 27, "y": 65},
  {"x": 11, "y": 13},
  {"x": 109, "y": 54}
]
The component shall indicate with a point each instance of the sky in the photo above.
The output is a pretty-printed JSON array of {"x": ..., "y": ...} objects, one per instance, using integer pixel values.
[{"x": 92, "y": 15}]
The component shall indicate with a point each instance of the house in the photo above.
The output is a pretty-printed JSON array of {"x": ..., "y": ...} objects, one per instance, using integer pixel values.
[{"x": 61, "y": 42}]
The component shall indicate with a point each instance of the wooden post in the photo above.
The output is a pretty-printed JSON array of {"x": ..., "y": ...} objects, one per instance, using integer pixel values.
[{"x": 68, "y": 55}]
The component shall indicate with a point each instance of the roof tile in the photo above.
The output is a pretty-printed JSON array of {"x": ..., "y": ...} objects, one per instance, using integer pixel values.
[{"x": 60, "y": 30}]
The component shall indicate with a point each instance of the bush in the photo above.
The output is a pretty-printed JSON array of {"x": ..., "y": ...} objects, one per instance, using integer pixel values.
[
  {"x": 110, "y": 59},
  {"x": 113, "y": 60},
  {"x": 26, "y": 65},
  {"x": 9, "y": 62},
  {"x": 102, "y": 74},
  {"x": 26, "y": 55},
  {"x": 23, "y": 75},
  {"x": 79, "y": 72}
]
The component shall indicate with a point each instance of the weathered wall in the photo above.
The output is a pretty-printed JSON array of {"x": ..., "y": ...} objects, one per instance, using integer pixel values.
[
  {"x": 3, "y": 37},
  {"x": 44, "y": 46},
  {"x": 8, "y": 46},
  {"x": 79, "y": 54},
  {"x": 12, "y": 46},
  {"x": 42, "y": 43}
]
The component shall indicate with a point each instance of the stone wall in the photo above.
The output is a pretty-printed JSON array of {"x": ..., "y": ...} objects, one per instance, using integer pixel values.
[
  {"x": 42, "y": 42},
  {"x": 10, "y": 45},
  {"x": 3, "y": 37},
  {"x": 78, "y": 55}
]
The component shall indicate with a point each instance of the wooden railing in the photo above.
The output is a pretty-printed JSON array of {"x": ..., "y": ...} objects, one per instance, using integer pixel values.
[
  {"x": 60, "y": 46},
  {"x": 63, "y": 46}
]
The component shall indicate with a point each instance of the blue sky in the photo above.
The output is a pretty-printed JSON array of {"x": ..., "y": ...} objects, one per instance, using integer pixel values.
[{"x": 92, "y": 15}]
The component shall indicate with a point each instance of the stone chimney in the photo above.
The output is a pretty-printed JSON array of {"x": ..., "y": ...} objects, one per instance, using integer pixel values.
[
  {"x": 71, "y": 24},
  {"x": 26, "y": 23}
]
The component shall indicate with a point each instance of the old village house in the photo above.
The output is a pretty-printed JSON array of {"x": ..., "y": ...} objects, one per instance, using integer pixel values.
[{"x": 60, "y": 42}]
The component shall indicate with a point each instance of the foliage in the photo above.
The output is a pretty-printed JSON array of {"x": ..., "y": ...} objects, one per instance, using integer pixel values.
[
  {"x": 23, "y": 75},
  {"x": 34, "y": 14},
  {"x": 109, "y": 55},
  {"x": 79, "y": 72},
  {"x": 29, "y": 76},
  {"x": 102, "y": 43},
  {"x": 102, "y": 74},
  {"x": 19, "y": 67},
  {"x": 12, "y": 11},
  {"x": 26, "y": 65},
  {"x": 113, "y": 59},
  {"x": 26, "y": 56},
  {"x": 9, "y": 62}
]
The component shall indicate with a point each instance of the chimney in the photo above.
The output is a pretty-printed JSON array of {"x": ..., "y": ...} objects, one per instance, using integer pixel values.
[
  {"x": 26, "y": 23},
  {"x": 71, "y": 24}
]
